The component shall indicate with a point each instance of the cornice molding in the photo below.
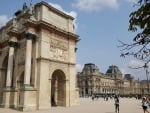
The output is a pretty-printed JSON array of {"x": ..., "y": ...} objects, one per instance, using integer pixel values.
[
  {"x": 51, "y": 27},
  {"x": 57, "y": 61},
  {"x": 54, "y": 9}
]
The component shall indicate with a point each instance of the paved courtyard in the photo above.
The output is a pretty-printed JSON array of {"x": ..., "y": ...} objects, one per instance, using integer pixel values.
[{"x": 88, "y": 106}]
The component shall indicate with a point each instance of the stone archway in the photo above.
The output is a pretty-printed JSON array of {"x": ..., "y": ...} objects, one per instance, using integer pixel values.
[
  {"x": 58, "y": 88},
  {"x": 4, "y": 71},
  {"x": 3, "y": 77}
]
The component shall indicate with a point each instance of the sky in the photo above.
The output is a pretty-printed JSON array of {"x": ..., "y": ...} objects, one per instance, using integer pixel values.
[{"x": 100, "y": 24}]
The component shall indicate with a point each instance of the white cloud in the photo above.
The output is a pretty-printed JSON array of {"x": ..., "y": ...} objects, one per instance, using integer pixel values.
[
  {"x": 135, "y": 64},
  {"x": 95, "y": 5},
  {"x": 57, "y": 6},
  {"x": 132, "y": 1},
  {"x": 71, "y": 13},
  {"x": 3, "y": 20},
  {"x": 79, "y": 67},
  {"x": 137, "y": 73}
]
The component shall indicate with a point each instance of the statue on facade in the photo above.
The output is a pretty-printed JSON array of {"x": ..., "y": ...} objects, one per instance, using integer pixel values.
[
  {"x": 14, "y": 21},
  {"x": 25, "y": 7}
]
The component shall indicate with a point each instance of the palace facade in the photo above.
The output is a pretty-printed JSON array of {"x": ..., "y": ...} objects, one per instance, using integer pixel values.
[
  {"x": 92, "y": 81},
  {"x": 38, "y": 59}
]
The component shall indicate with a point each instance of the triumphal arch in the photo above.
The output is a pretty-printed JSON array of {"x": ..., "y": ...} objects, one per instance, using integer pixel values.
[{"x": 37, "y": 59}]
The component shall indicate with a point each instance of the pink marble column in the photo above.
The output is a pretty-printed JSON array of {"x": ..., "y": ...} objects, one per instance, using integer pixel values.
[
  {"x": 27, "y": 73},
  {"x": 12, "y": 45}
]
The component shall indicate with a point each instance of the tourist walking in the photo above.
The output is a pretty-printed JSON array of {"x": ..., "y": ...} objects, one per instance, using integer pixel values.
[
  {"x": 145, "y": 104},
  {"x": 116, "y": 104},
  {"x": 93, "y": 97}
]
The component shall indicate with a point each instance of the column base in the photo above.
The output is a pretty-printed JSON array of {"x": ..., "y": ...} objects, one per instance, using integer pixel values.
[
  {"x": 27, "y": 108},
  {"x": 8, "y": 98},
  {"x": 26, "y": 86},
  {"x": 28, "y": 99},
  {"x": 9, "y": 88}
]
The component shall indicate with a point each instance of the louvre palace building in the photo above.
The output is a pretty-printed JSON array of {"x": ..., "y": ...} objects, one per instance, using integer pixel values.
[
  {"x": 92, "y": 81},
  {"x": 38, "y": 59}
]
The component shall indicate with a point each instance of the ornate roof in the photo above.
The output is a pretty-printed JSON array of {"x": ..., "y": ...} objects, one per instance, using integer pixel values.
[
  {"x": 90, "y": 68},
  {"x": 113, "y": 71}
]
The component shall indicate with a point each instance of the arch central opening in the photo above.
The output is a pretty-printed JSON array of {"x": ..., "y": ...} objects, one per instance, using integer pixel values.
[{"x": 58, "y": 88}]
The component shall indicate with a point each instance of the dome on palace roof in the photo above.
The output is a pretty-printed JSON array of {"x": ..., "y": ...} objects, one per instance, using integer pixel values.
[
  {"x": 113, "y": 71},
  {"x": 90, "y": 68}
]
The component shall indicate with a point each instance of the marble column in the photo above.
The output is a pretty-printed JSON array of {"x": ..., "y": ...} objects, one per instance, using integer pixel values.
[
  {"x": 56, "y": 91},
  {"x": 12, "y": 45},
  {"x": 27, "y": 73}
]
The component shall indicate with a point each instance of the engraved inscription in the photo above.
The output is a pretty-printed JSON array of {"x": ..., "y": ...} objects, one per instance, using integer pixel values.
[{"x": 58, "y": 50}]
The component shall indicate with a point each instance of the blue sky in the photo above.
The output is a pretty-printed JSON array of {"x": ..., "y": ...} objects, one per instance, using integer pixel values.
[{"x": 99, "y": 23}]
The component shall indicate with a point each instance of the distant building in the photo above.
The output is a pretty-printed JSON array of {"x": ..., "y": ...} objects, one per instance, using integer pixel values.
[
  {"x": 128, "y": 77},
  {"x": 114, "y": 72},
  {"x": 38, "y": 59},
  {"x": 92, "y": 81}
]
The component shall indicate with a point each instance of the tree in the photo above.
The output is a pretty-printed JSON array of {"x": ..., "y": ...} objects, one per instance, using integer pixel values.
[
  {"x": 139, "y": 22},
  {"x": 145, "y": 66}
]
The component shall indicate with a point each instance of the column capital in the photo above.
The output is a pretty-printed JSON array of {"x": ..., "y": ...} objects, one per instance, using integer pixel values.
[
  {"x": 13, "y": 44},
  {"x": 30, "y": 36}
]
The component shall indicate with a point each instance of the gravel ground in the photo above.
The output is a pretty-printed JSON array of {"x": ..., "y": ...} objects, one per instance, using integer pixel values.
[{"x": 88, "y": 106}]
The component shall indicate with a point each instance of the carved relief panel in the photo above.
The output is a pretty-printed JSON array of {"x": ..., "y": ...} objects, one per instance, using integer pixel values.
[{"x": 58, "y": 50}]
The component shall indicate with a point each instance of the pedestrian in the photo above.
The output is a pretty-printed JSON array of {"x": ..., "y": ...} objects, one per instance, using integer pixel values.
[
  {"x": 145, "y": 104},
  {"x": 116, "y": 104},
  {"x": 93, "y": 97}
]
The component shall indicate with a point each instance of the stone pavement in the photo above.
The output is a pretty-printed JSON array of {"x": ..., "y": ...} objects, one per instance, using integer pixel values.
[{"x": 88, "y": 106}]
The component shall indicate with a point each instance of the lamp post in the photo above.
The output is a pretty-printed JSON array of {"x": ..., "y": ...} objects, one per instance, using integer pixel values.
[{"x": 146, "y": 70}]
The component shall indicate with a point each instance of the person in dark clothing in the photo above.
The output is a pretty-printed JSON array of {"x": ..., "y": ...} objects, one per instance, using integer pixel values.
[{"x": 116, "y": 104}]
